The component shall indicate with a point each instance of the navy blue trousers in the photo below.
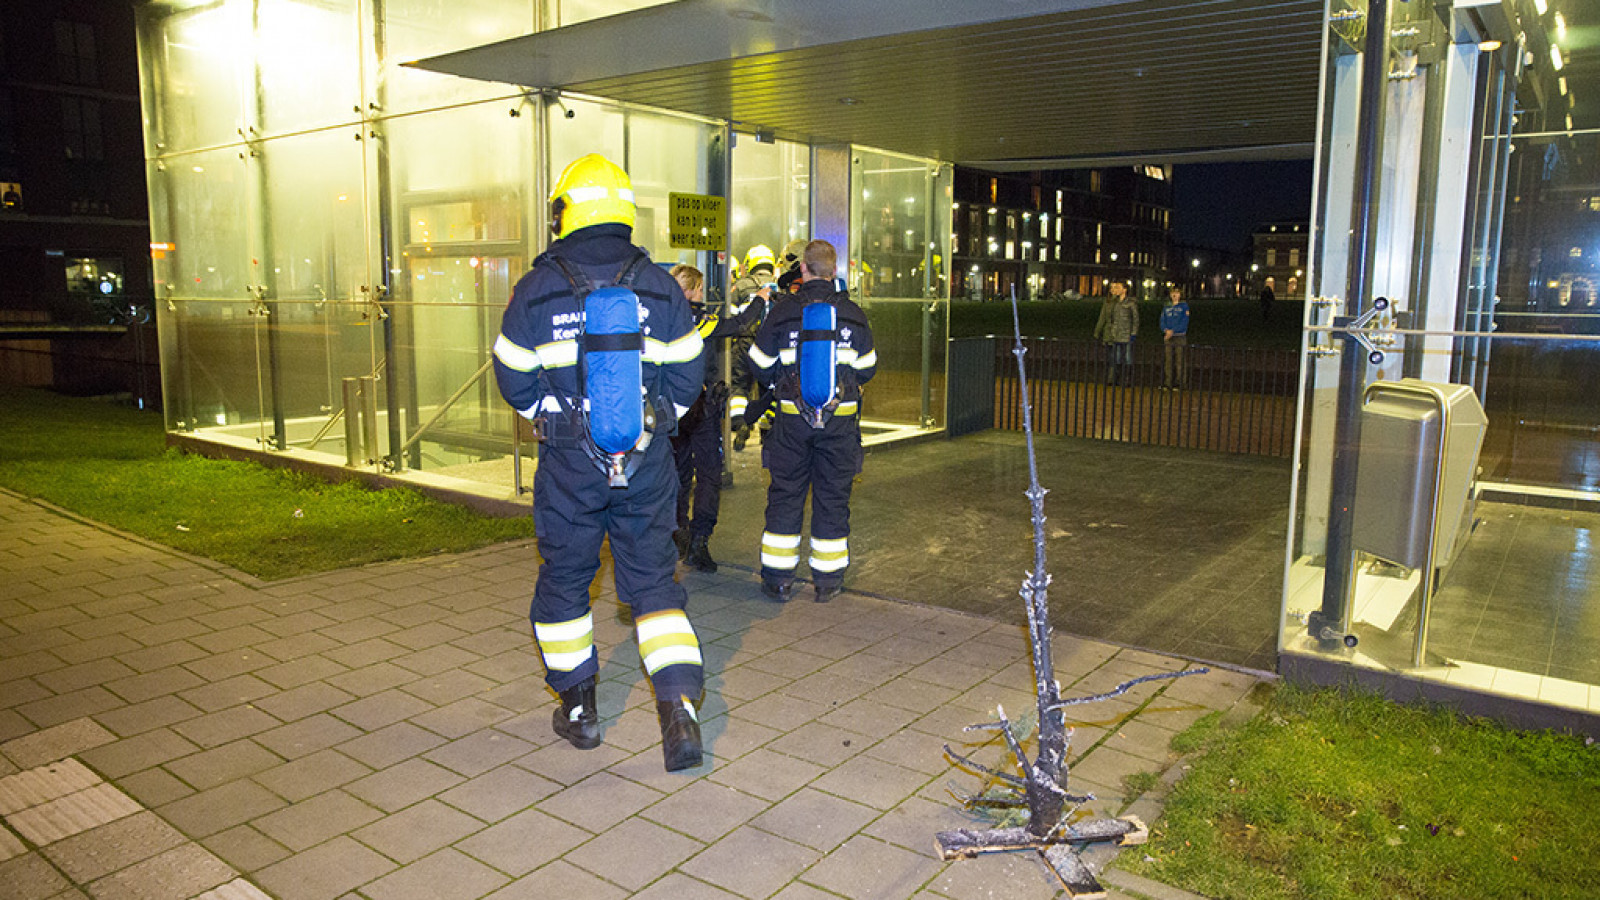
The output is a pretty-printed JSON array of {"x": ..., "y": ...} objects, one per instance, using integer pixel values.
[
  {"x": 574, "y": 511},
  {"x": 697, "y": 448},
  {"x": 822, "y": 462}
]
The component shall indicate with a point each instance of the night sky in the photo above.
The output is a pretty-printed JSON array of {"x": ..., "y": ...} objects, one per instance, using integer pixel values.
[{"x": 1219, "y": 204}]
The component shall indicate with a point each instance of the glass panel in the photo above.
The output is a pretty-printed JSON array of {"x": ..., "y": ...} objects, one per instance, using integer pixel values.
[
  {"x": 665, "y": 155},
  {"x": 771, "y": 196},
  {"x": 571, "y": 12},
  {"x": 662, "y": 154},
  {"x": 463, "y": 198},
  {"x": 416, "y": 29},
  {"x": 901, "y": 224},
  {"x": 196, "y": 66},
  {"x": 317, "y": 277},
  {"x": 309, "y": 64}
]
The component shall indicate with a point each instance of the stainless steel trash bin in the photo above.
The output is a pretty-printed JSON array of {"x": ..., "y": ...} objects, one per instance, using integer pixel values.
[
  {"x": 1418, "y": 458},
  {"x": 1418, "y": 461}
]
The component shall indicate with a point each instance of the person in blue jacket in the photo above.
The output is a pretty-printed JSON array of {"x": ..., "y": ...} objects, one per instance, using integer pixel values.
[
  {"x": 545, "y": 363},
  {"x": 1174, "y": 341},
  {"x": 815, "y": 449}
]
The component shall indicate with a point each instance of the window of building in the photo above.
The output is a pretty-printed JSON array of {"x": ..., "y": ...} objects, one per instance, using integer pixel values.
[
  {"x": 101, "y": 276},
  {"x": 75, "y": 57},
  {"x": 1094, "y": 180},
  {"x": 1294, "y": 256},
  {"x": 80, "y": 128},
  {"x": 1272, "y": 256},
  {"x": 994, "y": 190}
]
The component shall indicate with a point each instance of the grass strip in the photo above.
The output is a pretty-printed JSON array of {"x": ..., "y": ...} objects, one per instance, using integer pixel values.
[
  {"x": 1330, "y": 795},
  {"x": 109, "y": 463}
]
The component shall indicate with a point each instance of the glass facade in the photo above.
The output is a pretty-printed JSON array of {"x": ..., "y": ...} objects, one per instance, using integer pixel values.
[
  {"x": 899, "y": 273},
  {"x": 342, "y": 231},
  {"x": 1446, "y": 482}
]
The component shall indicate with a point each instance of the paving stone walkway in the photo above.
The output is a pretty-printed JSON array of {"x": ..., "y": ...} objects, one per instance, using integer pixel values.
[{"x": 171, "y": 728}]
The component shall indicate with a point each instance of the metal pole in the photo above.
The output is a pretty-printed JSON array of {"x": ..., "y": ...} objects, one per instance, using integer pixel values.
[
  {"x": 386, "y": 257},
  {"x": 1331, "y": 622}
]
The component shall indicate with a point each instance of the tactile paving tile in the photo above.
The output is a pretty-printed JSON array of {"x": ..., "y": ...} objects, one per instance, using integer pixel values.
[
  {"x": 35, "y": 786},
  {"x": 73, "y": 814}
]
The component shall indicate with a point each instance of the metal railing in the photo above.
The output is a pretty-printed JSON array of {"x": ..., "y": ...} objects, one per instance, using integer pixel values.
[{"x": 1233, "y": 399}]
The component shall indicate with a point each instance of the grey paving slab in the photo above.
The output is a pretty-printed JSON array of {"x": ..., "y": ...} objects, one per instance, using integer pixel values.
[
  {"x": 524, "y": 842},
  {"x": 324, "y": 872},
  {"x": 635, "y": 853},
  {"x": 559, "y": 879},
  {"x": 220, "y": 765},
  {"x": 815, "y": 819},
  {"x": 445, "y": 875},
  {"x": 499, "y": 793},
  {"x": 399, "y": 786},
  {"x": 390, "y": 745},
  {"x": 208, "y": 812},
  {"x": 600, "y": 801},
  {"x": 417, "y": 831},
  {"x": 245, "y": 848},
  {"x": 137, "y": 753},
  {"x": 316, "y": 819},
  {"x": 865, "y": 867},
  {"x": 480, "y": 751}
]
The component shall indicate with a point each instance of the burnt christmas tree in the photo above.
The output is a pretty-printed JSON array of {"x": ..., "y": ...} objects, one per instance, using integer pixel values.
[{"x": 1042, "y": 787}]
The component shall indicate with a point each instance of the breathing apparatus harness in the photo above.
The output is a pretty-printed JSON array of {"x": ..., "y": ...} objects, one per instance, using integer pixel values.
[{"x": 615, "y": 421}]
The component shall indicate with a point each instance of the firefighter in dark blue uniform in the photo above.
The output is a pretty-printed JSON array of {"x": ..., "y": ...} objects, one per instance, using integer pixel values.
[
  {"x": 579, "y": 499},
  {"x": 698, "y": 443},
  {"x": 815, "y": 449}
]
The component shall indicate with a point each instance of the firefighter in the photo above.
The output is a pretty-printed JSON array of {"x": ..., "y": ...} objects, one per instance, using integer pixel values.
[
  {"x": 815, "y": 444},
  {"x": 555, "y": 361},
  {"x": 763, "y": 408},
  {"x": 753, "y": 288},
  {"x": 698, "y": 444}
]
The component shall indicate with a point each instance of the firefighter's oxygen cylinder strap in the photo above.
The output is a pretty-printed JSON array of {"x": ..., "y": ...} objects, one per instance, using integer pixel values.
[{"x": 601, "y": 343}]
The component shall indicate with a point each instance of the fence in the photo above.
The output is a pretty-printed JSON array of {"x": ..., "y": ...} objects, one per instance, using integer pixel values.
[{"x": 1236, "y": 400}]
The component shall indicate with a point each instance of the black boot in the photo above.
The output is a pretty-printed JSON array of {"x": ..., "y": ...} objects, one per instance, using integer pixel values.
[
  {"x": 699, "y": 555},
  {"x": 577, "y": 720},
  {"x": 680, "y": 734},
  {"x": 681, "y": 538},
  {"x": 741, "y": 436}
]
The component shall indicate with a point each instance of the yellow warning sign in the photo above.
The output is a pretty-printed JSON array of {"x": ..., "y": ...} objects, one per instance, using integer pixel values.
[{"x": 698, "y": 221}]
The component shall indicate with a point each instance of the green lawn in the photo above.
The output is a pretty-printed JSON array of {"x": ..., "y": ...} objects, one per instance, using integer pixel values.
[
  {"x": 1328, "y": 796},
  {"x": 109, "y": 463}
]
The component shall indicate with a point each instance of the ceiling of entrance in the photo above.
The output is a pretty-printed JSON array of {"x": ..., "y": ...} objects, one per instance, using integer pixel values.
[{"x": 1003, "y": 84}]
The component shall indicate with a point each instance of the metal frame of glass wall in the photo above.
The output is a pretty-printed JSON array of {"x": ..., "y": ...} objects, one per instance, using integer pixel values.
[{"x": 1424, "y": 140}]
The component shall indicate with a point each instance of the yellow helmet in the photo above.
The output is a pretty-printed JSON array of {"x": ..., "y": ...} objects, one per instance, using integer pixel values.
[
  {"x": 592, "y": 190},
  {"x": 759, "y": 255},
  {"x": 793, "y": 251}
]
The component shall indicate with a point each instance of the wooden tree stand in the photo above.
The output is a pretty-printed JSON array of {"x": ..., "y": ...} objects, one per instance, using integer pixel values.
[{"x": 1059, "y": 850}]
